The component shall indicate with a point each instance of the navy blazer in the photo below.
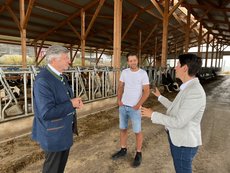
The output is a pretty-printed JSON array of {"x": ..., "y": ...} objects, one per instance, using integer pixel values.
[{"x": 53, "y": 112}]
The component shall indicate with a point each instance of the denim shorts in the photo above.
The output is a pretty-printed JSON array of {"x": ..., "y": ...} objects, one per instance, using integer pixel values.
[{"x": 126, "y": 112}]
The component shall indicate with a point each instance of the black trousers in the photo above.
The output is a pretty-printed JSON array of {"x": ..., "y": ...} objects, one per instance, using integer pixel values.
[{"x": 55, "y": 161}]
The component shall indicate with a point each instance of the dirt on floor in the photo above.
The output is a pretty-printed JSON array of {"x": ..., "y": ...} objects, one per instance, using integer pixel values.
[{"x": 99, "y": 138}]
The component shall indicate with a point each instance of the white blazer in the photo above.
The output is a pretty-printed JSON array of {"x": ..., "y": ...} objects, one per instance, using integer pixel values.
[{"x": 184, "y": 114}]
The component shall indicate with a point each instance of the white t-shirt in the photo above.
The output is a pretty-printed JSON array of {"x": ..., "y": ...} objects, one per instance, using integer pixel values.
[{"x": 133, "y": 85}]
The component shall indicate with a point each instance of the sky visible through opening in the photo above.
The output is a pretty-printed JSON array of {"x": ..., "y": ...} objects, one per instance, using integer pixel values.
[{"x": 225, "y": 64}]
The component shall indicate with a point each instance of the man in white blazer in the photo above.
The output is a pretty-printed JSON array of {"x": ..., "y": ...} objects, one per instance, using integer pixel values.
[{"x": 183, "y": 117}]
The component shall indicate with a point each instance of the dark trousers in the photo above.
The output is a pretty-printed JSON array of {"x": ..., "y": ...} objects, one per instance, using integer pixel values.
[
  {"x": 182, "y": 157},
  {"x": 55, "y": 161}
]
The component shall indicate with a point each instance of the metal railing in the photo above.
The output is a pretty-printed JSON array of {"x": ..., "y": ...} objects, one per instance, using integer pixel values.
[{"x": 89, "y": 83}]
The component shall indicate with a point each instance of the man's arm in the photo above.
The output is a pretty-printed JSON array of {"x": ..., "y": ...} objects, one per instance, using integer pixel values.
[
  {"x": 120, "y": 93},
  {"x": 144, "y": 97}
]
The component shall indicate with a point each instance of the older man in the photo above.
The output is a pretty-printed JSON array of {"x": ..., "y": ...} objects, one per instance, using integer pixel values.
[{"x": 54, "y": 110}]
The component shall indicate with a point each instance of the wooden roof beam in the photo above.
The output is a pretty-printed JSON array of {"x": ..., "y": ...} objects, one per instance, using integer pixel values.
[
  {"x": 200, "y": 18},
  {"x": 14, "y": 17},
  {"x": 187, "y": 33},
  {"x": 149, "y": 35},
  {"x": 174, "y": 7},
  {"x": 75, "y": 54},
  {"x": 44, "y": 35},
  {"x": 94, "y": 17},
  {"x": 3, "y": 7},
  {"x": 204, "y": 7},
  {"x": 227, "y": 20},
  {"x": 98, "y": 59},
  {"x": 215, "y": 21},
  {"x": 39, "y": 50},
  {"x": 178, "y": 19},
  {"x": 101, "y": 16},
  {"x": 71, "y": 3},
  {"x": 74, "y": 30},
  {"x": 129, "y": 25},
  {"x": 145, "y": 9},
  {"x": 28, "y": 12},
  {"x": 158, "y": 7},
  {"x": 39, "y": 5}
]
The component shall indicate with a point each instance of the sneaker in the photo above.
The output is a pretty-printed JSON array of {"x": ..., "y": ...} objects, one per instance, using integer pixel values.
[
  {"x": 137, "y": 160},
  {"x": 119, "y": 154}
]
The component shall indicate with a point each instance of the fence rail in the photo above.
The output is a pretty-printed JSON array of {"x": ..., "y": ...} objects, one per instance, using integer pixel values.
[{"x": 89, "y": 83}]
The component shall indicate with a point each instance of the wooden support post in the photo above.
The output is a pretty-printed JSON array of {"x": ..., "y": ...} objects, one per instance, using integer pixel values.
[
  {"x": 83, "y": 37},
  {"x": 35, "y": 52},
  {"x": 220, "y": 52},
  {"x": 199, "y": 40},
  {"x": 96, "y": 54},
  {"x": 116, "y": 59},
  {"x": 206, "y": 55},
  {"x": 155, "y": 53},
  {"x": 213, "y": 42},
  {"x": 117, "y": 33},
  {"x": 71, "y": 54},
  {"x": 23, "y": 33},
  {"x": 139, "y": 47},
  {"x": 166, "y": 15},
  {"x": 175, "y": 57},
  {"x": 187, "y": 32},
  {"x": 165, "y": 35},
  {"x": 217, "y": 53}
]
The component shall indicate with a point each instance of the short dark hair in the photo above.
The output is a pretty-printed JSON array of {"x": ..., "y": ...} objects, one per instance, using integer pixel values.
[
  {"x": 131, "y": 54},
  {"x": 193, "y": 62}
]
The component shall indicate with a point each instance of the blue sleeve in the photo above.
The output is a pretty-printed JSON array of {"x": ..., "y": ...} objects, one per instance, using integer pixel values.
[{"x": 46, "y": 103}]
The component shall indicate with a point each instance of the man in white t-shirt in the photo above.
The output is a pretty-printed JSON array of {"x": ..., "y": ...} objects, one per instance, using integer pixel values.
[{"x": 133, "y": 90}]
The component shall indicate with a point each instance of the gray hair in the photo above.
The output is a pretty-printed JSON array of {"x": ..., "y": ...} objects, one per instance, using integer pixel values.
[{"x": 54, "y": 52}]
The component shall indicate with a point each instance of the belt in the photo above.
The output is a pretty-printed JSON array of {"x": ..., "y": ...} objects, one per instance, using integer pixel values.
[{"x": 127, "y": 106}]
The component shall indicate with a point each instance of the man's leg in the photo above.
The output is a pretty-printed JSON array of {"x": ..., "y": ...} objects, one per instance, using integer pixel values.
[
  {"x": 139, "y": 140},
  {"x": 64, "y": 158},
  {"x": 123, "y": 138},
  {"x": 135, "y": 116},
  {"x": 123, "y": 125},
  {"x": 52, "y": 161},
  {"x": 55, "y": 161}
]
